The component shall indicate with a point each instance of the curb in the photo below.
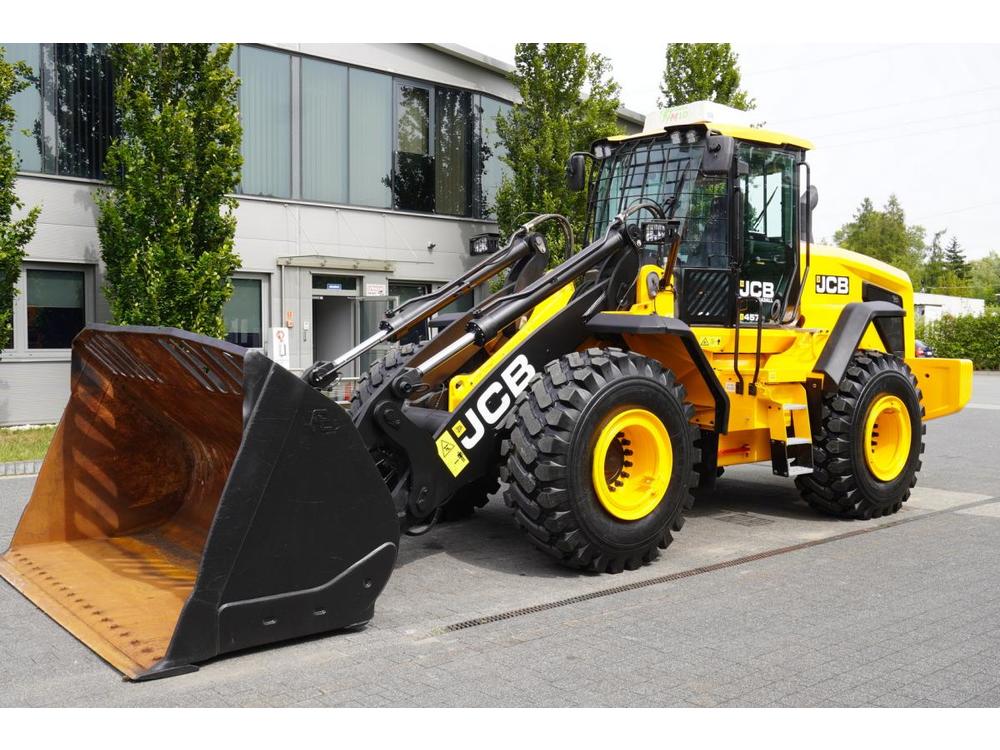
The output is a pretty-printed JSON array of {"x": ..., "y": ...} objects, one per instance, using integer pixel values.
[{"x": 19, "y": 468}]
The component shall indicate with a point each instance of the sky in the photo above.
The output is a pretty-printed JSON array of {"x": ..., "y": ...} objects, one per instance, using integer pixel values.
[{"x": 917, "y": 120}]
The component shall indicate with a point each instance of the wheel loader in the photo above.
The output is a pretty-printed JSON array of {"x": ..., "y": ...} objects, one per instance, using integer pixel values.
[{"x": 199, "y": 499}]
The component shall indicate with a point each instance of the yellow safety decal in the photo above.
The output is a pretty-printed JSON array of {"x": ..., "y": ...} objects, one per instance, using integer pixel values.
[
  {"x": 458, "y": 428},
  {"x": 708, "y": 342},
  {"x": 452, "y": 455}
]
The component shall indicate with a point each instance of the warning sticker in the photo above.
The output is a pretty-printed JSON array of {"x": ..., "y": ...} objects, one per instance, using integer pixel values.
[
  {"x": 710, "y": 342},
  {"x": 458, "y": 428},
  {"x": 452, "y": 455}
]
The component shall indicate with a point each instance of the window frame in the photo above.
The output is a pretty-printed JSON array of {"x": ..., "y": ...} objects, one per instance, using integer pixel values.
[
  {"x": 265, "y": 306},
  {"x": 294, "y": 116},
  {"x": 20, "y": 351}
]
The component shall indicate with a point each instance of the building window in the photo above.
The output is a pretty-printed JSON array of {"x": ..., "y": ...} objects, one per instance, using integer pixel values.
[
  {"x": 55, "y": 306},
  {"x": 435, "y": 150},
  {"x": 491, "y": 150},
  {"x": 413, "y": 181},
  {"x": 370, "y": 138},
  {"x": 27, "y": 108},
  {"x": 455, "y": 157},
  {"x": 68, "y": 110},
  {"x": 243, "y": 313},
  {"x": 266, "y": 116},
  {"x": 324, "y": 131}
]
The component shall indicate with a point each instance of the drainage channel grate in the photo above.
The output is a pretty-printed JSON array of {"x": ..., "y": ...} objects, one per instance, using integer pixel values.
[
  {"x": 465, "y": 624},
  {"x": 741, "y": 519}
]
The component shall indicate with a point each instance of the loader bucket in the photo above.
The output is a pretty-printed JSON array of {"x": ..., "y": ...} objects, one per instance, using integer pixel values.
[{"x": 197, "y": 499}]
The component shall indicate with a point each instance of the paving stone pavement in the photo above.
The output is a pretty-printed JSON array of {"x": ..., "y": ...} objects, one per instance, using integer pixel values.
[{"x": 906, "y": 615}]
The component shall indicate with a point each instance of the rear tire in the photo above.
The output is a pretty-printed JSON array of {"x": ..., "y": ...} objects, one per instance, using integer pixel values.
[
  {"x": 560, "y": 423},
  {"x": 854, "y": 477}
]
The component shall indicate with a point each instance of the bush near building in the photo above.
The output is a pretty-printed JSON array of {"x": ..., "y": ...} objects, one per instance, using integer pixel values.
[{"x": 975, "y": 337}]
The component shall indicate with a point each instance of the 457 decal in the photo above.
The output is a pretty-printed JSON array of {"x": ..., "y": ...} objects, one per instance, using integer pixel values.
[{"x": 833, "y": 285}]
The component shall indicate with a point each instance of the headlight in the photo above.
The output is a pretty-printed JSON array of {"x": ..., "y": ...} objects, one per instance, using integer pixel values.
[{"x": 484, "y": 244}]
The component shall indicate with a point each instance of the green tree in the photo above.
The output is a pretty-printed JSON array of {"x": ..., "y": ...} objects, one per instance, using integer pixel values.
[
  {"x": 886, "y": 236},
  {"x": 703, "y": 72},
  {"x": 14, "y": 233},
  {"x": 167, "y": 224},
  {"x": 984, "y": 277},
  {"x": 568, "y": 100},
  {"x": 954, "y": 258},
  {"x": 934, "y": 266}
]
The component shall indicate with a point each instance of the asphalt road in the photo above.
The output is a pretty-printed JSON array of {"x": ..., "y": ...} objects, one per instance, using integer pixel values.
[{"x": 759, "y": 602}]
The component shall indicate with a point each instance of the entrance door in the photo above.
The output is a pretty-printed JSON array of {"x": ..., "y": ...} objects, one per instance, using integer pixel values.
[
  {"x": 334, "y": 322},
  {"x": 371, "y": 311}
]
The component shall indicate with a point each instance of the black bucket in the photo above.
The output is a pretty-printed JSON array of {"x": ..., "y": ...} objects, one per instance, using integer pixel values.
[{"x": 199, "y": 499}]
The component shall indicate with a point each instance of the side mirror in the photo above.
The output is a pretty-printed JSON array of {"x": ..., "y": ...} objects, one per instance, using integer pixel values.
[
  {"x": 576, "y": 171},
  {"x": 718, "y": 157},
  {"x": 807, "y": 204}
]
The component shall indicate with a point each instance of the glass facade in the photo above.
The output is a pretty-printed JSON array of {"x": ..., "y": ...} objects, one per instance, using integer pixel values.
[
  {"x": 413, "y": 177},
  {"x": 68, "y": 111},
  {"x": 266, "y": 114},
  {"x": 455, "y": 157},
  {"x": 324, "y": 131},
  {"x": 370, "y": 134},
  {"x": 312, "y": 129},
  {"x": 27, "y": 107},
  {"x": 366, "y": 138},
  {"x": 491, "y": 152}
]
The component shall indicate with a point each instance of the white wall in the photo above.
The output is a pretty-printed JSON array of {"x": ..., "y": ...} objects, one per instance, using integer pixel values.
[{"x": 931, "y": 307}]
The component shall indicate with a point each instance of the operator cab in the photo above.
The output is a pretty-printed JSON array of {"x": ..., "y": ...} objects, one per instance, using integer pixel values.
[{"x": 734, "y": 191}]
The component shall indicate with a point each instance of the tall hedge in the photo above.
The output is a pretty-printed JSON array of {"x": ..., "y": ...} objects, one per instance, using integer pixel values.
[{"x": 975, "y": 337}]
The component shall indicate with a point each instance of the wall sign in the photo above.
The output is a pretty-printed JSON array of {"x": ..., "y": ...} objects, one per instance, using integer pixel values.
[{"x": 279, "y": 347}]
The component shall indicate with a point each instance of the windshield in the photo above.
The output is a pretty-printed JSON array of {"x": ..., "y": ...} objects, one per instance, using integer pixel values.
[{"x": 666, "y": 172}]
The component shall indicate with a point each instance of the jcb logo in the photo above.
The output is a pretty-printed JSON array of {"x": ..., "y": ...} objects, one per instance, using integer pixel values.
[
  {"x": 763, "y": 290},
  {"x": 495, "y": 401},
  {"x": 833, "y": 285}
]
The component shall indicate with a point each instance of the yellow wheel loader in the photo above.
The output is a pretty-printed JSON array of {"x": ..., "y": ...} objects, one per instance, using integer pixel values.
[{"x": 199, "y": 499}]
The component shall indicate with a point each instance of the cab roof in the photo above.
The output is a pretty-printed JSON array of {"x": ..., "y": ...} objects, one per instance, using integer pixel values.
[
  {"x": 742, "y": 132},
  {"x": 717, "y": 117}
]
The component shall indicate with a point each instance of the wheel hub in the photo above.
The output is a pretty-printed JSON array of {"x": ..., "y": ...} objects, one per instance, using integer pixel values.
[
  {"x": 632, "y": 464},
  {"x": 887, "y": 438}
]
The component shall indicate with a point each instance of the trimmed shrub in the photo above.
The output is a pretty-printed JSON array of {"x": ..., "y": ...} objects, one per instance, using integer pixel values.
[{"x": 975, "y": 337}]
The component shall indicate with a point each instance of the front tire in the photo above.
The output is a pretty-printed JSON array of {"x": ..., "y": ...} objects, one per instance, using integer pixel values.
[
  {"x": 599, "y": 460},
  {"x": 868, "y": 446}
]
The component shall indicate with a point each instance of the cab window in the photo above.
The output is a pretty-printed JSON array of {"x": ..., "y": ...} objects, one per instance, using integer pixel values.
[{"x": 769, "y": 219}]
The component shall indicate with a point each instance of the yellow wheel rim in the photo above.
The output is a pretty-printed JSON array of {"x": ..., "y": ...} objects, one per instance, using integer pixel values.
[
  {"x": 887, "y": 438},
  {"x": 633, "y": 461}
]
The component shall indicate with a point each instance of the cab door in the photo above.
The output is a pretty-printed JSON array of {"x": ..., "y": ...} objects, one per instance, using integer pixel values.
[{"x": 770, "y": 230}]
